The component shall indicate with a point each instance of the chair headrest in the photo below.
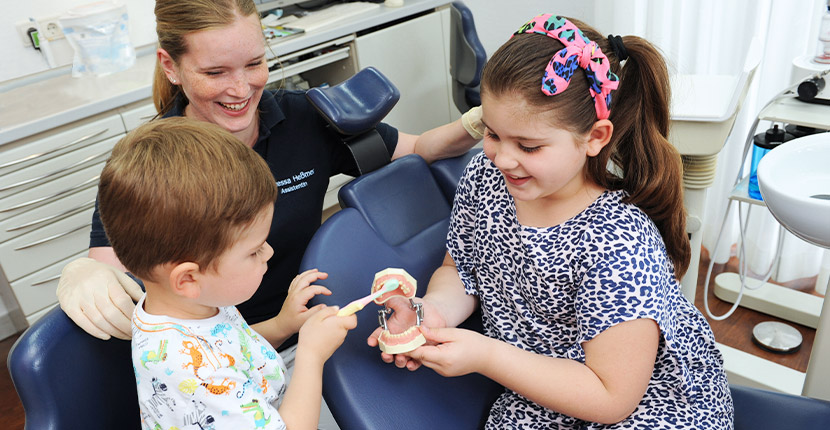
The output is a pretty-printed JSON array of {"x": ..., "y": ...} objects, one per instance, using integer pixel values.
[
  {"x": 357, "y": 104},
  {"x": 402, "y": 190}
]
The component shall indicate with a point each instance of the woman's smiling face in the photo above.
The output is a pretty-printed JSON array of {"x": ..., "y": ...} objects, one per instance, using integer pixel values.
[{"x": 223, "y": 74}]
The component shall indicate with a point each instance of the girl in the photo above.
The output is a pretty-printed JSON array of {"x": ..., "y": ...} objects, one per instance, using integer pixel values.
[{"x": 568, "y": 232}]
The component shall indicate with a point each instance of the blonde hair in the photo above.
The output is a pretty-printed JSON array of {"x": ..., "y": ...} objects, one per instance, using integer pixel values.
[
  {"x": 177, "y": 18},
  {"x": 651, "y": 167},
  {"x": 177, "y": 190}
]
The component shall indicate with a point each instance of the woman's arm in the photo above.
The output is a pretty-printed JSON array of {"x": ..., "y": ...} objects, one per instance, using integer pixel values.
[
  {"x": 105, "y": 254},
  {"x": 448, "y": 140}
]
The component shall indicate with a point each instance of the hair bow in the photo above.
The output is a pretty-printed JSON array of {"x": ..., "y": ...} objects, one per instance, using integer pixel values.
[{"x": 579, "y": 51}]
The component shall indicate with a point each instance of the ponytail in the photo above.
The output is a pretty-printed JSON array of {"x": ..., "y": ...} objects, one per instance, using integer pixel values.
[{"x": 652, "y": 171}]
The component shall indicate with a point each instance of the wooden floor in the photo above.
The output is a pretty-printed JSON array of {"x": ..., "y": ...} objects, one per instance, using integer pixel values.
[
  {"x": 735, "y": 331},
  {"x": 11, "y": 411}
]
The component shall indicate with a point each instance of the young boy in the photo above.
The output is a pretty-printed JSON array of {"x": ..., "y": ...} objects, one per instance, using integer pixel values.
[{"x": 187, "y": 208}]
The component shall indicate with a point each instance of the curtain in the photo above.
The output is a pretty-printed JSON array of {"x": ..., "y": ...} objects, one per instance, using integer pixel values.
[{"x": 711, "y": 37}]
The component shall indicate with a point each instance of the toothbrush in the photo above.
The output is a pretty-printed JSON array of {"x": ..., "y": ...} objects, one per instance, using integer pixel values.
[{"x": 358, "y": 304}]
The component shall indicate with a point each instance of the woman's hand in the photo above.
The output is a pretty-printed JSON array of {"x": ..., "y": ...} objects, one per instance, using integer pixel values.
[
  {"x": 402, "y": 319},
  {"x": 98, "y": 297},
  {"x": 451, "y": 351}
]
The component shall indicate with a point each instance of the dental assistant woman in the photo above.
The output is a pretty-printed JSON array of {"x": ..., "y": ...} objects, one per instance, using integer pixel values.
[{"x": 211, "y": 66}]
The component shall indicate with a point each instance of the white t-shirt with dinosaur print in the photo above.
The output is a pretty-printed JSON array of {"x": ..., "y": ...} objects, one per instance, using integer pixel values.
[{"x": 214, "y": 373}]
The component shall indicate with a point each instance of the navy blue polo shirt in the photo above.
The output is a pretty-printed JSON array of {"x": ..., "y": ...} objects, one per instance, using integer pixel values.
[{"x": 303, "y": 152}]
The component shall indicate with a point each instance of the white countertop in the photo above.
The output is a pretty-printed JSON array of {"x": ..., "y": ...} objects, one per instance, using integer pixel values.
[{"x": 45, "y": 104}]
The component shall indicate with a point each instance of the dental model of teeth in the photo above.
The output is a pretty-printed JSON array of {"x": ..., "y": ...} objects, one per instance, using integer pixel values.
[{"x": 411, "y": 338}]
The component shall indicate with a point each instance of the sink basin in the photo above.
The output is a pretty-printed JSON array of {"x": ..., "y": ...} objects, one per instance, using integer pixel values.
[{"x": 794, "y": 179}]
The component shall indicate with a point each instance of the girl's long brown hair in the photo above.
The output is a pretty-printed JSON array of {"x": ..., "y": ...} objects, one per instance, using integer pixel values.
[{"x": 642, "y": 161}]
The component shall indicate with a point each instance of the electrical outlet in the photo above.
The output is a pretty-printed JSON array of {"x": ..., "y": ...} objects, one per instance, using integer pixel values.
[
  {"x": 23, "y": 30},
  {"x": 50, "y": 29}
]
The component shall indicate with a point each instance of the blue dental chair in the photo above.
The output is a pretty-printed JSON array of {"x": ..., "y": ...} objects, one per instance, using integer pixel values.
[
  {"x": 67, "y": 379},
  {"x": 353, "y": 108},
  {"x": 757, "y": 409},
  {"x": 467, "y": 58},
  {"x": 396, "y": 216}
]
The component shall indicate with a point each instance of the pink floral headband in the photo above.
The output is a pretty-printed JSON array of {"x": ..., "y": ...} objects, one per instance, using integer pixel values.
[{"x": 578, "y": 52}]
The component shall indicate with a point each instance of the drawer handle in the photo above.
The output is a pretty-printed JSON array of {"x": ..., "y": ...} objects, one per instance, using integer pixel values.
[
  {"x": 34, "y": 156},
  {"x": 89, "y": 181},
  {"x": 53, "y": 237},
  {"x": 56, "y": 172},
  {"x": 56, "y": 217},
  {"x": 49, "y": 279}
]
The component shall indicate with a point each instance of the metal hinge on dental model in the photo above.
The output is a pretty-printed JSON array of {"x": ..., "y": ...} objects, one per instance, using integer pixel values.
[{"x": 386, "y": 312}]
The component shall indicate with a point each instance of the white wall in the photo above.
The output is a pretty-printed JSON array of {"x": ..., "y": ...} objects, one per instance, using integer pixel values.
[
  {"x": 18, "y": 61},
  {"x": 496, "y": 20}
]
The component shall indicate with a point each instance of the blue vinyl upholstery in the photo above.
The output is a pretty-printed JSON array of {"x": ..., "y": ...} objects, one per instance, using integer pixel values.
[
  {"x": 467, "y": 57},
  {"x": 396, "y": 216},
  {"x": 757, "y": 409},
  {"x": 67, "y": 379},
  {"x": 353, "y": 108},
  {"x": 448, "y": 171},
  {"x": 357, "y": 104}
]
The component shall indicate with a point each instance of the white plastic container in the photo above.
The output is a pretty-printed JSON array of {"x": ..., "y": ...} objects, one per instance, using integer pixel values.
[{"x": 99, "y": 34}]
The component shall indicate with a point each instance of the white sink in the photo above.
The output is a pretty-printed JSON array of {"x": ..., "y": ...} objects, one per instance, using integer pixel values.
[{"x": 794, "y": 179}]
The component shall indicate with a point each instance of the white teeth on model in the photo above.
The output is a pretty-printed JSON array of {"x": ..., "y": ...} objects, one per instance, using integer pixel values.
[
  {"x": 406, "y": 332},
  {"x": 234, "y": 106}
]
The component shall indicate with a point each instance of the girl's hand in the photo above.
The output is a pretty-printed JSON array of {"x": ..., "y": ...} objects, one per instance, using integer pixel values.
[
  {"x": 323, "y": 332},
  {"x": 295, "y": 311},
  {"x": 451, "y": 351},
  {"x": 402, "y": 319}
]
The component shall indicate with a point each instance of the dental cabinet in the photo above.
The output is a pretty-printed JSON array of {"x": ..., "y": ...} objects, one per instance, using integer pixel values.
[
  {"x": 47, "y": 194},
  {"x": 56, "y": 131}
]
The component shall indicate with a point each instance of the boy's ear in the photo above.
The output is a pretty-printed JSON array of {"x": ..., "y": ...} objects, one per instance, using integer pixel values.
[
  {"x": 599, "y": 136},
  {"x": 184, "y": 280}
]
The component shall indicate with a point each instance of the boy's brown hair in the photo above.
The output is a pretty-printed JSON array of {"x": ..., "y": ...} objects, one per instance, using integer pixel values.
[{"x": 177, "y": 190}]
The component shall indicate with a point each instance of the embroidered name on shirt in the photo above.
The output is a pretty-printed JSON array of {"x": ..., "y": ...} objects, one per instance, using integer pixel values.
[{"x": 295, "y": 182}]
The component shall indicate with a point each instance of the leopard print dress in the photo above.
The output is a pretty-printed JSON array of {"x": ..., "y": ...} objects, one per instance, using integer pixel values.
[{"x": 549, "y": 290}]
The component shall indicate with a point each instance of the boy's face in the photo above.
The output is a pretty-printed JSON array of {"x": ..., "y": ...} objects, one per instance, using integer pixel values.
[{"x": 240, "y": 269}]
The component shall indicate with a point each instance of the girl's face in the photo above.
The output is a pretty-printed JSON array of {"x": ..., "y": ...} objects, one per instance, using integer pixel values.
[
  {"x": 223, "y": 74},
  {"x": 540, "y": 163}
]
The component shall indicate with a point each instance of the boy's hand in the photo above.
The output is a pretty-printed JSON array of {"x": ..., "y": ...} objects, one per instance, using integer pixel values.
[
  {"x": 324, "y": 332},
  {"x": 451, "y": 351},
  {"x": 294, "y": 310},
  {"x": 402, "y": 319}
]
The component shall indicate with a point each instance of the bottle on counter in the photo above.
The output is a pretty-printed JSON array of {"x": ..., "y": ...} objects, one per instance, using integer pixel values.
[
  {"x": 762, "y": 144},
  {"x": 824, "y": 38}
]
